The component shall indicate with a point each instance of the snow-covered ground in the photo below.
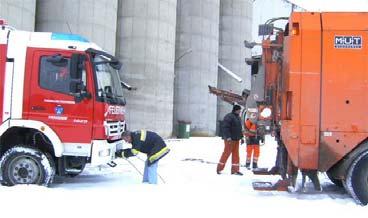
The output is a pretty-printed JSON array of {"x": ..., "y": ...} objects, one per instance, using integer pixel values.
[{"x": 191, "y": 188}]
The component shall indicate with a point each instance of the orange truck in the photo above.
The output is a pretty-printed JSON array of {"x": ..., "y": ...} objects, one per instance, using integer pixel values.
[{"x": 315, "y": 83}]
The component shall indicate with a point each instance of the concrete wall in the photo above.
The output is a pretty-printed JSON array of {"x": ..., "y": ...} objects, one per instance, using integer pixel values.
[
  {"x": 19, "y": 13},
  {"x": 146, "y": 46},
  {"x": 196, "y": 64},
  {"x": 235, "y": 27},
  {"x": 93, "y": 19}
]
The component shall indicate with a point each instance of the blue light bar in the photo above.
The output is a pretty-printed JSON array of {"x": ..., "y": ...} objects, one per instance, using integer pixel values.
[{"x": 68, "y": 37}]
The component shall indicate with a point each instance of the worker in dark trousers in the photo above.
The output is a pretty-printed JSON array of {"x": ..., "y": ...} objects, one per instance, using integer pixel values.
[
  {"x": 232, "y": 133},
  {"x": 149, "y": 143},
  {"x": 250, "y": 133}
]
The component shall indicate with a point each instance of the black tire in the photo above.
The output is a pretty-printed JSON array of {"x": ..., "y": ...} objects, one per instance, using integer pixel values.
[
  {"x": 53, "y": 167},
  {"x": 26, "y": 165},
  {"x": 357, "y": 179},
  {"x": 337, "y": 182}
]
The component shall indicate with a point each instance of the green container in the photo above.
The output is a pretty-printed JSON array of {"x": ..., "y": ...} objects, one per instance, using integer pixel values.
[{"x": 183, "y": 130}]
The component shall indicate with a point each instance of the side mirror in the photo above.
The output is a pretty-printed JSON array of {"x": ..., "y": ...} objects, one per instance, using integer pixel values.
[
  {"x": 78, "y": 91},
  {"x": 125, "y": 85},
  {"x": 77, "y": 66},
  {"x": 76, "y": 69},
  {"x": 75, "y": 86},
  {"x": 254, "y": 68}
]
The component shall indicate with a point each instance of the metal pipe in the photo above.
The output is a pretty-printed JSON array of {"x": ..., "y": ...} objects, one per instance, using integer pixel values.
[{"x": 230, "y": 73}]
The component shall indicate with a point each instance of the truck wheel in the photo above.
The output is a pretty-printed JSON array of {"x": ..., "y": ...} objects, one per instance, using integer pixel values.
[
  {"x": 26, "y": 165},
  {"x": 357, "y": 179},
  {"x": 337, "y": 182}
]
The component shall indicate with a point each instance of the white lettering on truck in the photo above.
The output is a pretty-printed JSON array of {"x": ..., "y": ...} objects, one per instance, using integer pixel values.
[{"x": 115, "y": 110}]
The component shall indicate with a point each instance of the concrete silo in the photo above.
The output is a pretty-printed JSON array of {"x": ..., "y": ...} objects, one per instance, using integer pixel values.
[
  {"x": 197, "y": 35},
  {"x": 93, "y": 19},
  {"x": 146, "y": 46},
  {"x": 19, "y": 13},
  {"x": 235, "y": 27}
]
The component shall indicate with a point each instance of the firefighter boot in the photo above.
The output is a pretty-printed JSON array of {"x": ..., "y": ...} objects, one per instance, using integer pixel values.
[
  {"x": 247, "y": 165},
  {"x": 255, "y": 165}
]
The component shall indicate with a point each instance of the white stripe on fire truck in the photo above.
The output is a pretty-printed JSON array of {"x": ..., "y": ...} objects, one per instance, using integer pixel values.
[
  {"x": 7, "y": 91},
  {"x": 17, "y": 48}
]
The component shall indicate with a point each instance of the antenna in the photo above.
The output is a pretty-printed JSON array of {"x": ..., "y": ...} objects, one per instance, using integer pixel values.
[{"x": 70, "y": 30}]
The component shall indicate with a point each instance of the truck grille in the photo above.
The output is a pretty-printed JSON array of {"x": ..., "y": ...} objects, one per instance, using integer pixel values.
[{"x": 114, "y": 128}]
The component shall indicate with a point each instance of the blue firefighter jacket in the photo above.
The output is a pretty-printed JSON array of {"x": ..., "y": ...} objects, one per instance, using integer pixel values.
[{"x": 149, "y": 143}]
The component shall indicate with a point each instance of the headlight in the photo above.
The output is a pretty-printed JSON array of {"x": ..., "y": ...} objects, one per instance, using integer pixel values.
[{"x": 266, "y": 112}]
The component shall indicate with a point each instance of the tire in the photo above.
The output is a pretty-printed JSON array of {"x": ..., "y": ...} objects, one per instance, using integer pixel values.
[
  {"x": 337, "y": 182},
  {"x": 53, "y": 167},
  {"x": 26, "y": 165},
  {"x": 357, "y": 179}
]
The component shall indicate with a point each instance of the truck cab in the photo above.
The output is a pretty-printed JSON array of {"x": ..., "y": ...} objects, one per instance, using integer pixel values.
[{"x": 61, "y": 106}]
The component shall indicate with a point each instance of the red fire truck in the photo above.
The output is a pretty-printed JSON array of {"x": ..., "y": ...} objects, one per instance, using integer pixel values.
[{"x": 61, "y": 106}]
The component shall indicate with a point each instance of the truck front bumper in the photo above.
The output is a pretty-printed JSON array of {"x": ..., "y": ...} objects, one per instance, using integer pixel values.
[{"x": 103, "y": 152}]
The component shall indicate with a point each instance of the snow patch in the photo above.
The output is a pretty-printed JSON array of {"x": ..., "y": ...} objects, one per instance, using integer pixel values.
[{"x": 192, "y": 189}]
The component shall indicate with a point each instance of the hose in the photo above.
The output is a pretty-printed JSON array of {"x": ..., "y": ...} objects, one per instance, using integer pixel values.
[
  {"x": 133, "y": 166},
  {"x": 162, "y": 179}
]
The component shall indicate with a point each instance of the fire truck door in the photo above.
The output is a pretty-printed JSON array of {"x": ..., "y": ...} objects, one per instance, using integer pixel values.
[{"x": 52, "y": 103}]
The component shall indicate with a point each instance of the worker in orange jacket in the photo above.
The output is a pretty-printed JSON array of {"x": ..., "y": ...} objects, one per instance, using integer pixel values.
[{"x": 252, "y": 140}]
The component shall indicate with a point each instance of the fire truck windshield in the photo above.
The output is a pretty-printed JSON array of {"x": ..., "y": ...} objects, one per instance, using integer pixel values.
[{"x": 108, "y": 81}]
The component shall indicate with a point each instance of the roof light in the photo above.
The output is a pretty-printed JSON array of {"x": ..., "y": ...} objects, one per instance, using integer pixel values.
[{"x": 68, "y": 37}]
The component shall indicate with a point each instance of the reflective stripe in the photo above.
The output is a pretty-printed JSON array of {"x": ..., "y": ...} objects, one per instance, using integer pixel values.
[
  {"x": 159, "y": 154},
  {"x": 135, "y": 151},
  {"x": 250, "y": 128},
  {"x": 143, "y": 135}
]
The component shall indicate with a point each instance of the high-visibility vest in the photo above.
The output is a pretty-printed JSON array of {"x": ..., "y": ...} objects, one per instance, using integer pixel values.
[{"x": 250, "y": 128}]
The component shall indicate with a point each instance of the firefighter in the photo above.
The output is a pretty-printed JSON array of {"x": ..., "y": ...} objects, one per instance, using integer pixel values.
[
  {"x": 250, "y": 132},
  {"x": 62, "y": 80},
  {"x": 232, "y": 133},
  {"x": 149, "y": 143}
]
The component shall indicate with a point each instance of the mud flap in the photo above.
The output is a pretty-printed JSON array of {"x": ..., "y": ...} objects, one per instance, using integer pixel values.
[
  {"x": 263, "y": 171},
  {"x": 281, "y": 185}
]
